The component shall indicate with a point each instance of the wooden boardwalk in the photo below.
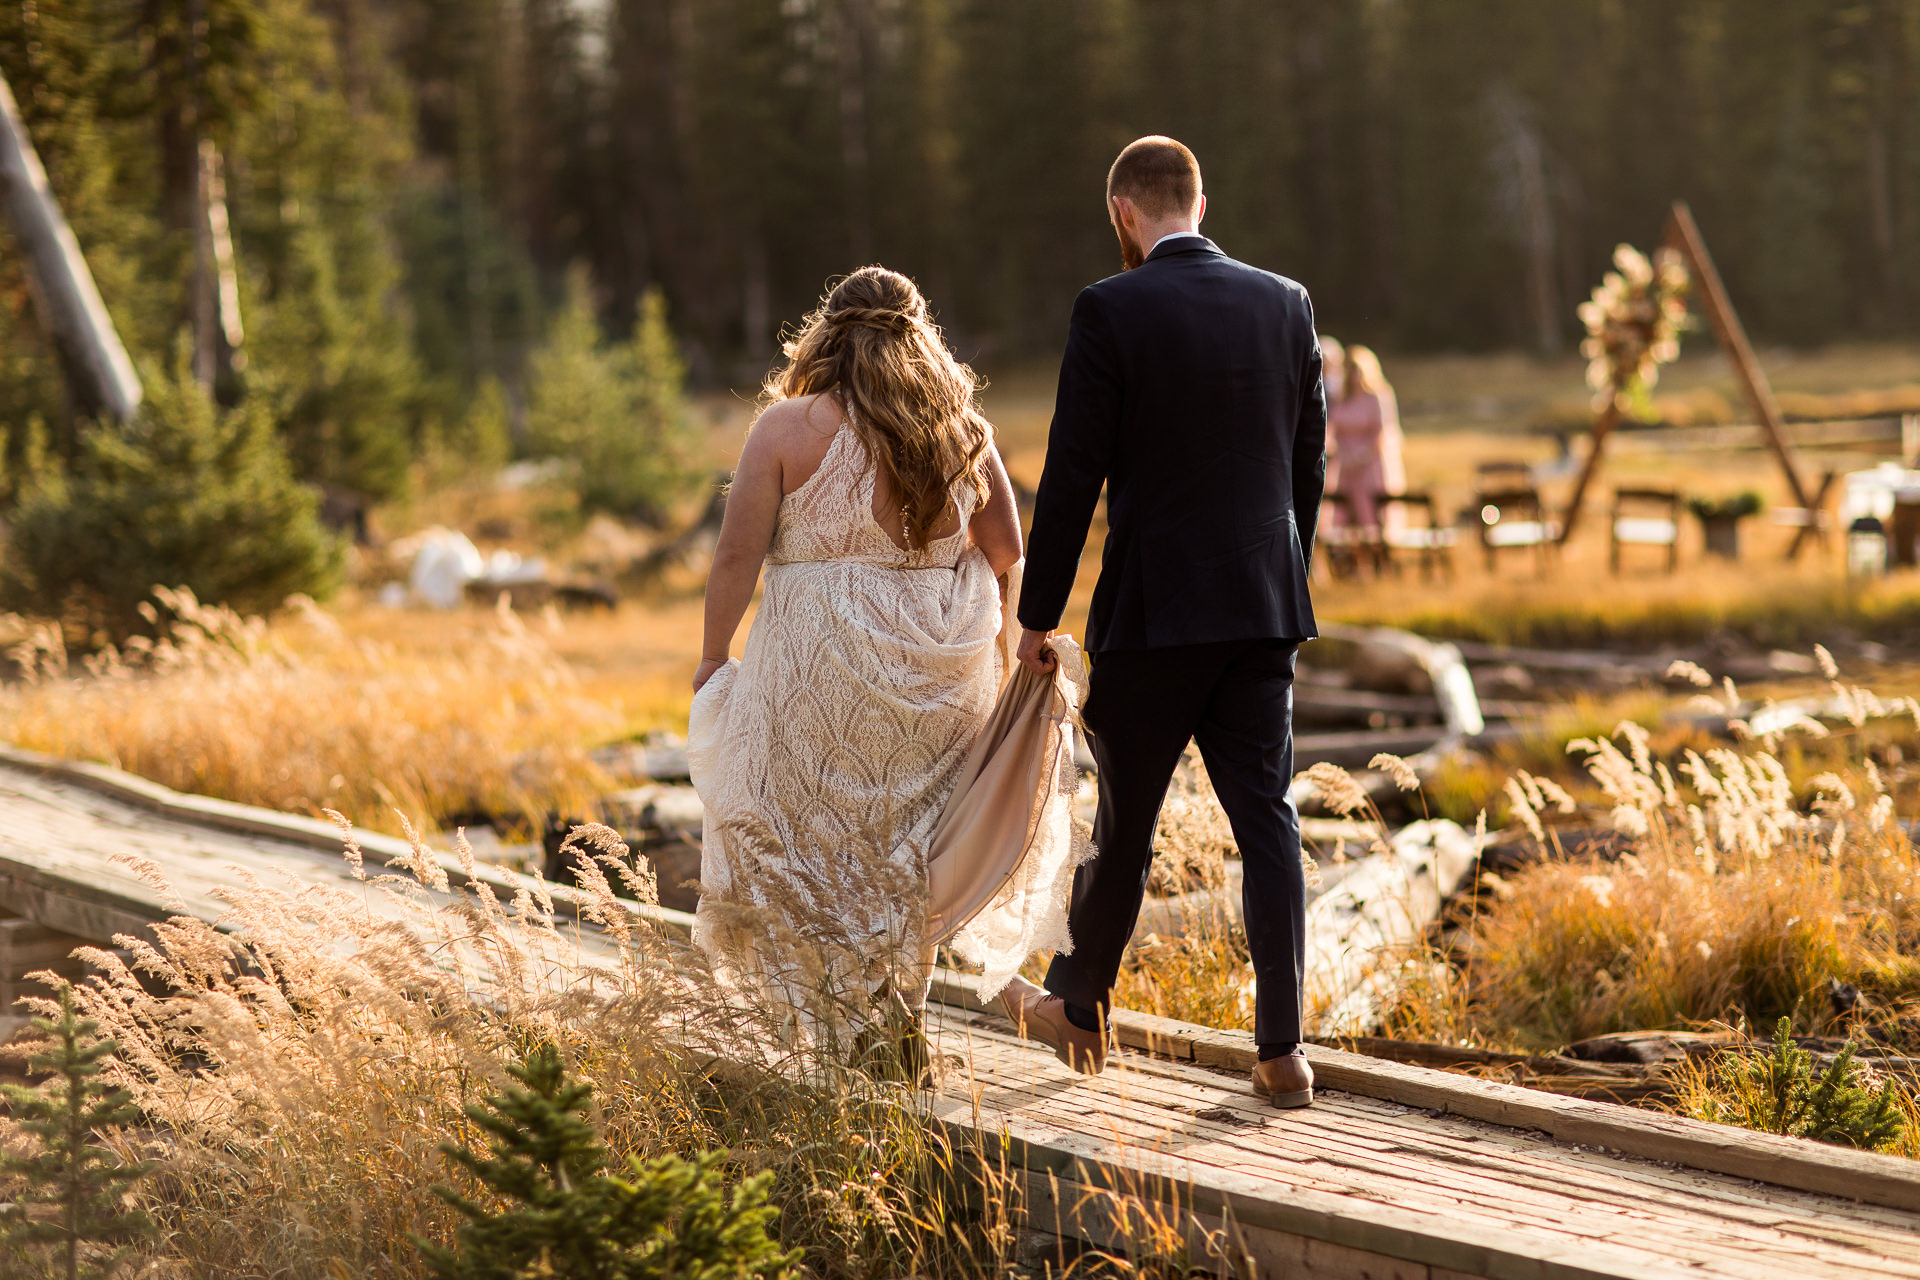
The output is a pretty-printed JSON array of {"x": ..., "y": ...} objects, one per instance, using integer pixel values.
[
  {"x": 1396, "y": 1172},
  {"x": 1361, "y": 1185}
]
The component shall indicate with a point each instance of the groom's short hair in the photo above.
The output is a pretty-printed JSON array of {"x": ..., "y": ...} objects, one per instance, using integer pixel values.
[{"x": 1158, "y": 174}]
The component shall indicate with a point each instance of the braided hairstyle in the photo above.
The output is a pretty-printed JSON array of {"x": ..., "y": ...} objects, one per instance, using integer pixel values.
[{"x": 871, "y": 342}]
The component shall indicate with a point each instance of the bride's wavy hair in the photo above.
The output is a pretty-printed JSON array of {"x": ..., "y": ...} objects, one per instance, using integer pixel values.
[{"x": 913, "y": 405}]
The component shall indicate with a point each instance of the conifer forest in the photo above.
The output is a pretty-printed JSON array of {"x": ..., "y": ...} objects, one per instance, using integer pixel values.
[{"x": 409, "y": 183}]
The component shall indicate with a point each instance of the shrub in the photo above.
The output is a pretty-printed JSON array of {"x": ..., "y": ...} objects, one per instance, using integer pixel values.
[
  {"x": 85, "y": 1229},
  {"x": 1785, "y": 1092},
  {"x": 565, "y": 1214},
  {"x": 1737, "y": 507},
  {"x": 615, "y": 413},
  {"x": 189, "y": 495}
]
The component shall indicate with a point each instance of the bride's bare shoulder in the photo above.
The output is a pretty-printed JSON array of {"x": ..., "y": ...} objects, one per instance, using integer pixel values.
[
  {"x": 798, "y": 432},
  {"x": 801, "y": 417}
]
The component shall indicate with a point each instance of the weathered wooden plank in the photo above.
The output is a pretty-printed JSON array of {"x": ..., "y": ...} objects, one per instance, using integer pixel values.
[
  {"x": 1541, "y": 1197},
  {"x": 283, "y": 829},
  {"x": 1091, "y": 1213},
  {"x": 1349, "y": 1221},
  {"x": 1144, "y": 1109},
  {"x": 1789, "y": 1162},
  {"x": 1728, "y": 1249}
]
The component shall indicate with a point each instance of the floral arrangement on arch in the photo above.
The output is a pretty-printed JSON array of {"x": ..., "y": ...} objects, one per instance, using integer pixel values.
[{"x": 1634, "y": 322}]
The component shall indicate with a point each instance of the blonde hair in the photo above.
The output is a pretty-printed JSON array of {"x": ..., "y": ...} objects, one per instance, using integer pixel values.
[
  {"x": 1363, "y": 373},
  {"x": 871, "y": 343}
]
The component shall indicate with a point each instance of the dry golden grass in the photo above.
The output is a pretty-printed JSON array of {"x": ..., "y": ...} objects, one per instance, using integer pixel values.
[
  {"x": 1739, "y": 897},
  {"x": 1202, "y": 971},
  {"x": 464, "y": 716},
  {"x": 300, "y": 1071},
  {"x": 1203, "y": 974}
]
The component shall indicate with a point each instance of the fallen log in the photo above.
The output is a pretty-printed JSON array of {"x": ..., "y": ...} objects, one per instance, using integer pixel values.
[{"x": 1360, "y": 931}]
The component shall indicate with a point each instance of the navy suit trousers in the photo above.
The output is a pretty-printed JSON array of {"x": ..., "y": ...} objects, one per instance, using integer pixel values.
[{"x": 1235, "y": 698}]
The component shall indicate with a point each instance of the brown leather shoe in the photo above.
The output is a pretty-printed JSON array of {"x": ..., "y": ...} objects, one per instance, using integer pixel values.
[
  {"x": 1043, "y": 1017},
  {"x": 1285, "y": 1082}
]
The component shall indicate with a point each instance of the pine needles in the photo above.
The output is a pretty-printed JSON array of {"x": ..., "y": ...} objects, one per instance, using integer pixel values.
[
  {"x": 70, "y": 1216},
  {"x": 565, "y": 1213},
  {"x": 1785, "y": 1091}
]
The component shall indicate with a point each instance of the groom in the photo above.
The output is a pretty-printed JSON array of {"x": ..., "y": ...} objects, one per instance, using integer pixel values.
[{"x": 1191, "y": 390}]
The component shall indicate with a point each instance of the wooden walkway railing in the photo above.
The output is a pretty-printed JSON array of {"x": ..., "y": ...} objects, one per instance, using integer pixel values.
[{"x": 1396, "y": 1172}]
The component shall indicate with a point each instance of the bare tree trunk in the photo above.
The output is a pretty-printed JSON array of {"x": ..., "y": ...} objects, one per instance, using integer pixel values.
[
  {"x": 756, "y": 304},
  {"x": 1382, "y": 280},
  {"x": 203, "y": 297},
  {"x": 1542, "y": 276},
  {"x": 226, "y": 275},
  {"x": 99, "y": 374},
  {"x": 1520, "y": 164},
  {"x": 855, "y": 54},
  {"x": 1883, "y": 143},
  {"x": 470, "y": 179},
  {"x": 1319, "y": 157}
]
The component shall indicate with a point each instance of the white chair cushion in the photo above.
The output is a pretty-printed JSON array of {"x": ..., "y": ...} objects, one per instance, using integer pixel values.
[
  {"x": 1647, "y": 529},
  {"x": 1420, "y": 539},
  {"x": 1517, "y": 533}
]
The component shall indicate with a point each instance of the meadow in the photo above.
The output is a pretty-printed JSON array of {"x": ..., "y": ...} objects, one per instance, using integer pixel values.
[{"x": 1740, "y": 881}]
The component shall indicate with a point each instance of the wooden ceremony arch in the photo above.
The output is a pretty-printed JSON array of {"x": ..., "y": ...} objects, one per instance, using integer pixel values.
[{"x": 1683, "y": 236}]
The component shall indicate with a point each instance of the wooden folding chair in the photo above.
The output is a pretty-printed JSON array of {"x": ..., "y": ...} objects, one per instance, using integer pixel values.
[
  {"x": 1512, "y": 516},
  {"x": 1813, "y": 521},
  {"x": 1432, "y": 540},
  {"x": 1351, "y": 549},
  {"x": 1646, "y": 518}
]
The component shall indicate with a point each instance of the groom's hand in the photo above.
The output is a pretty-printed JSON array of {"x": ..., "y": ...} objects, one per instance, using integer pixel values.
[{"x": 1034, "y": 654}]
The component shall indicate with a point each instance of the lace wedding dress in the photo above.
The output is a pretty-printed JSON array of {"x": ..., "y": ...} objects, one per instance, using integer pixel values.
[{"x": 826, "y": 758}]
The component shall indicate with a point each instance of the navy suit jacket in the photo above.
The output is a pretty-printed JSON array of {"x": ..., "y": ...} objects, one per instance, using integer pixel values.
[{"x": 1191, "y": 389}]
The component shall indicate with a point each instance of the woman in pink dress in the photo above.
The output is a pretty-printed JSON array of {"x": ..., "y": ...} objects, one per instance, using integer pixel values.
[{"x": 1364, "y": 426}]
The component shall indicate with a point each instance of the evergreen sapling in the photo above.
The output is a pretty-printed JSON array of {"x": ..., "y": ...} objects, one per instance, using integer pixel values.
[
  {"x": 565, "y": 1214},
  {"x": 1784, "y": 1092},
  {"x": 71, "y": 1219}
]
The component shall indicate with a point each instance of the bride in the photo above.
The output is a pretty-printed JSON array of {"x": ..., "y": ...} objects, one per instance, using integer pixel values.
[{"x": 828, "y": 758}]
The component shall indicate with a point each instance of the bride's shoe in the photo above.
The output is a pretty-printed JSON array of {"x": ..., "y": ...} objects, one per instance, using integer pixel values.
[{"x": 1043, "y": 1017}]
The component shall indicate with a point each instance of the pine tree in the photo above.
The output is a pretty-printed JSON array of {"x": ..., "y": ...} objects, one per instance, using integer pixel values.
[
  {"x": 1800, "y": 291},
  {"x": 564, "y": 1214},
  {"x": 328, "y": 348},
  {"x": 89, "y": 1231},
  {"x": 188, "y": 495},
  {"x": 1783, "y": 1092},
  {"x": 616, "y": 413}
]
